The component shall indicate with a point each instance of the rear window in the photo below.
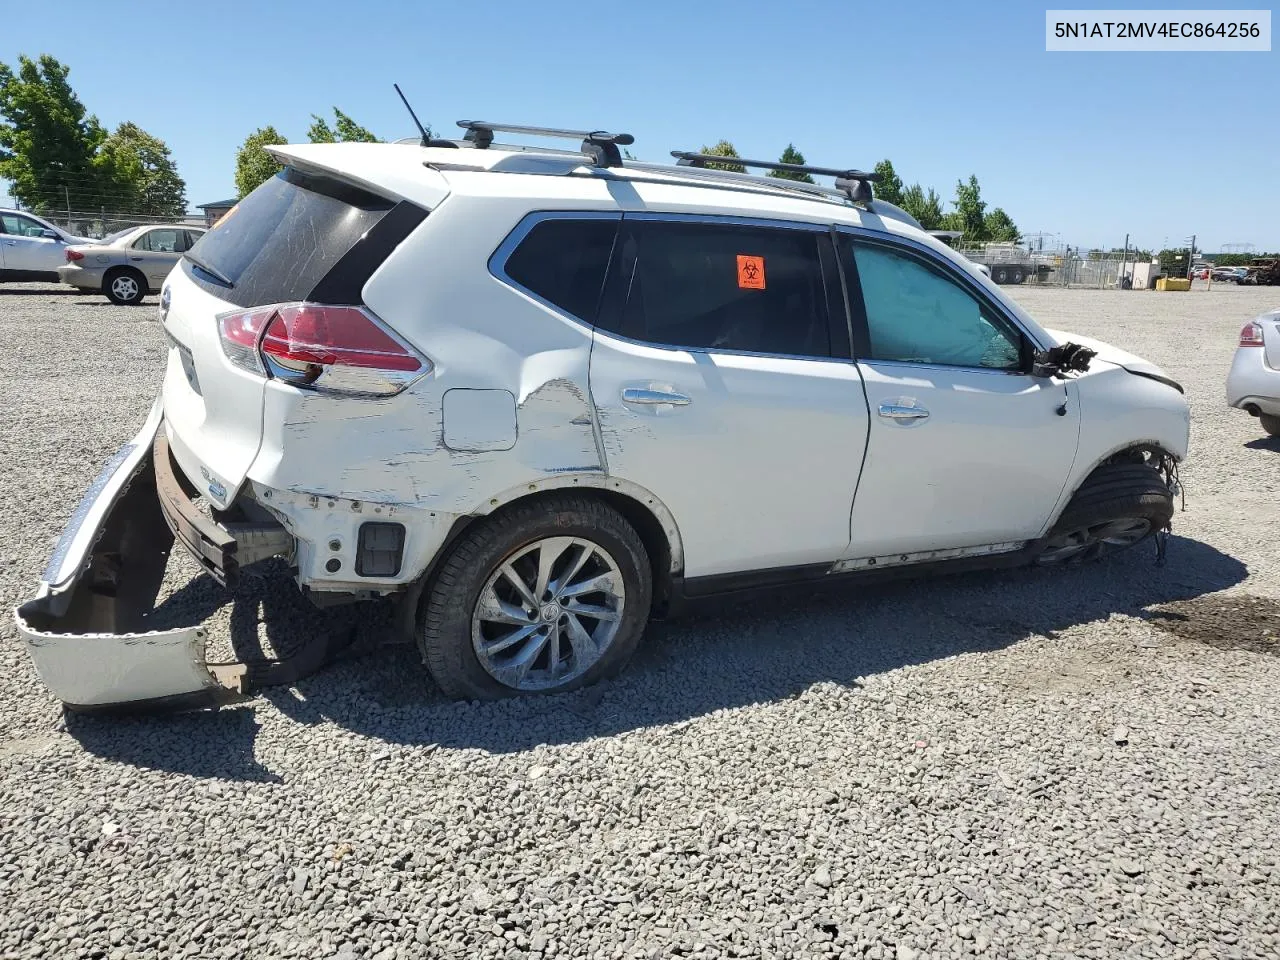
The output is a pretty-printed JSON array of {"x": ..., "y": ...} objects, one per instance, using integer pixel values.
[
  {"x": 284, "y": 238},
  {"x": 563, "y": 261}
]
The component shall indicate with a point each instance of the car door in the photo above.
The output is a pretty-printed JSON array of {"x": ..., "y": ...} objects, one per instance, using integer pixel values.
[
  {"x": 26, "y": 249},
  {"x": 156, "y": 251},
  {"x": 966, "y": 449},
  {"x": 723, "y": 384}
]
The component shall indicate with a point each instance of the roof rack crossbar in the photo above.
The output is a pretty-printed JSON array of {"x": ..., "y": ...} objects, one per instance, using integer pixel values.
[
  {"x": 600, "y": 146},
  {"x": 853, "y": 183}
]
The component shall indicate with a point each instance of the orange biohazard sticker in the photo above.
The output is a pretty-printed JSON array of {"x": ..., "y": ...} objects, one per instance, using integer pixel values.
[{"x": 750, "y": 272}]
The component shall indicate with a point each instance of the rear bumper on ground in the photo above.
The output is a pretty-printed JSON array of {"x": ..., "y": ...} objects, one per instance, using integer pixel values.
[{"x": 86, "y": 629}]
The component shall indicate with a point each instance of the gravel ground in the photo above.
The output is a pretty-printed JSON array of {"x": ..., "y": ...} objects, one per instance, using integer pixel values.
[{"x": 1049, "y": 764}]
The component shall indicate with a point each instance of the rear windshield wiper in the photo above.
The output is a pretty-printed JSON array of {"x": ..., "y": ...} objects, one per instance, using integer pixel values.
[{"x": 215, "y": 274}]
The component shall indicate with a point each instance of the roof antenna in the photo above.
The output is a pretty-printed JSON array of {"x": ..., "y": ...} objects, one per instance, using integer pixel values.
[{"x": 426, "y": 141}]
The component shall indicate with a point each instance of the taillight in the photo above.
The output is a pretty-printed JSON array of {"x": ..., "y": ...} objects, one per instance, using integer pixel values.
[
  {"x": 74, "y": 255},
  {"x": 339, "y": 349},
  {"x": 1251, "y": 335}
]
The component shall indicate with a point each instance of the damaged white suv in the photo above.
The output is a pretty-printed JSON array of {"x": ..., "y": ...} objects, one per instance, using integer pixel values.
[{"x": 539, "y": 397}]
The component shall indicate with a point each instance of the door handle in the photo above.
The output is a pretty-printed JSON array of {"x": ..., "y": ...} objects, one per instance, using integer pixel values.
[
  {"x": 135, "y": 258},
  {"x": 11, "y": 243},
  {"x": 900, "y": 411},
  {"x": 641, "y": 395}
]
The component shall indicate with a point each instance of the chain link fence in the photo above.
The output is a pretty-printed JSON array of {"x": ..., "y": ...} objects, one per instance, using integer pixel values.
[
  {"x": 100, "y": 223},
  {"x": 1011, "y": 264}
]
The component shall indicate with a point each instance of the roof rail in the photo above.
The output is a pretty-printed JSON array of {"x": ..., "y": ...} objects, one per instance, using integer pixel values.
[
  {"x": 853, "y": 183},
  {"x": 599, "y": 146}
]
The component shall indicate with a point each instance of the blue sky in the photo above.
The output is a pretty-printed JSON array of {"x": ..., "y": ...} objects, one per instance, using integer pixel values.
[{"x": 1089, "y": 146}]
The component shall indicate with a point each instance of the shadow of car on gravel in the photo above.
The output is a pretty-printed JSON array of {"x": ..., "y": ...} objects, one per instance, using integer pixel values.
[
  {"x": 764, "y": 649},
  {"x": 1271, "y": 444}
]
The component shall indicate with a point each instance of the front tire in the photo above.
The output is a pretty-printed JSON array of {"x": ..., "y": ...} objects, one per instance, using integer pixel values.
[
  {"x": 125, "y": 288},
  {"x": 1118, "y": 506},
  {"x": 541, "y": 597},
  {"x": 1270, "y": 423}
]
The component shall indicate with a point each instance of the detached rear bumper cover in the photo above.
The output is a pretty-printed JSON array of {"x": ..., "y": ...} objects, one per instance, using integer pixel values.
[{"x": 86, "y": 629}]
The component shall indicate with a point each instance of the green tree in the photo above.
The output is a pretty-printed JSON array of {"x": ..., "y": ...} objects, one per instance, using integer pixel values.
[
  {"x": 889, "y": 186},
  {"x": 925, "y": 207},
  {"x": 47, "y": 141},
  {"x": 724, "y": 149},
  {"x": 142, "y": 173},
  {"x": 254, "y": 166},
  {"x": 999, "y": 226},
  {"x": 344, "y": 130},
  {"x": 790, "y": 155},
  {"x": 970, "y": 210}
]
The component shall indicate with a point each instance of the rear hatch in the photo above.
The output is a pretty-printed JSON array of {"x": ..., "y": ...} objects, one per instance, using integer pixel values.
[{"x": 306, "y": 236}]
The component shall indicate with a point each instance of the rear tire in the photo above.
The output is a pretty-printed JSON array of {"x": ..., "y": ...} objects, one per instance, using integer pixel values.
[
  {"x": 481, "y": 641},
  {"x": 1018, "y": 275},
  {"x": 1270, "y": 423},
  {"x": 125, "y": 287},
  {"x": 1118, "y": 506},
  {"x": 999, "y": 275}
]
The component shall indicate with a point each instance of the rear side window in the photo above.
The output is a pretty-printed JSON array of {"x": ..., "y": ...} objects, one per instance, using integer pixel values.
[
  {"x": 720, "y": 287},
  {"x": 283, "y": 239},
  {"x": 563, "y": 261}
]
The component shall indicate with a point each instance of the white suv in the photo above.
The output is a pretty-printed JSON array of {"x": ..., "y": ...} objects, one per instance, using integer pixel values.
[{"x": 537, "y": 398}]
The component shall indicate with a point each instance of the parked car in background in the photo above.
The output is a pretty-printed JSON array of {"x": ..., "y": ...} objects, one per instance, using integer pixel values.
[
  {"x": 32, "y": 248},
  {"x": 126, "y": 266},
  {"x": 1253, "y": 385}
]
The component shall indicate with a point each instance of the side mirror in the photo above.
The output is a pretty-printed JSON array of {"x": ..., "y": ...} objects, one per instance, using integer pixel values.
[
  {"x": 49, "y": 235},
  {"x": 1061, "y": 361}
]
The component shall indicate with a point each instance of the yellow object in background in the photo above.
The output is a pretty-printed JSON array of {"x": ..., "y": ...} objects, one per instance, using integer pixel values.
[{"x": 1173, "y": 283}]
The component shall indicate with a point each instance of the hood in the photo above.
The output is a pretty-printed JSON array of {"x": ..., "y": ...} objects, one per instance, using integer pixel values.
[{"x": 1109, "y": 354}]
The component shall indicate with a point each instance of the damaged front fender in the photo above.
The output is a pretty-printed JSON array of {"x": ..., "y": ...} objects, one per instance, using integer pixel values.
[{"x": 86, "y": 630}]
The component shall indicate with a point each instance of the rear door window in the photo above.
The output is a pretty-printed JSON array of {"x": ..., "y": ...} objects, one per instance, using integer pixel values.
[
  {"x": 563, "y": 262},
  {"x": 161, "y": 241},
  {"x": 720, "y": 287},
  {"x": 280, "y": 241}
]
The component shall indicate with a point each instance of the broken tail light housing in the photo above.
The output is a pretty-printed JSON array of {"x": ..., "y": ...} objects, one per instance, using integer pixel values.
[
  {"x": 74, "y": 255},
  {"x": 333, "y": 349},
  {"x": 1251, "y": 335}
]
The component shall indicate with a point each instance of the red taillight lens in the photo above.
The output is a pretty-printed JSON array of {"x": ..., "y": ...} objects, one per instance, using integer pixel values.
[
  {"x": 74, "y": 255},
  {"x": 341, "y": 349},
  {"x": 1251, "y": 335}
]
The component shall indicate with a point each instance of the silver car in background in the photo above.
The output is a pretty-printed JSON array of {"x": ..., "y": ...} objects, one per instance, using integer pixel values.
[
  {"x": 1253, "y": 385},
  {"x": 126, "y": 266}
]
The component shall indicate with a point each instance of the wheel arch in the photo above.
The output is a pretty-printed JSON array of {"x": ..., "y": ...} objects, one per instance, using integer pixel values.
[
  {"x": 648, "y": 515},
  {"x": 1133, "y": 451}
]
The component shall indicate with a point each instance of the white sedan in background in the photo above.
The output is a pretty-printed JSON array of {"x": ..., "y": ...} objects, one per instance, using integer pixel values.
[
  {"x": 32, "y": 248},
  {"x": 1253, "y": 385}
]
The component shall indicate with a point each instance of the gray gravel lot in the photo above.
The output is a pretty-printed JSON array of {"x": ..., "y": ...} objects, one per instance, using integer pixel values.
[{"x": 1049, "y": 764}]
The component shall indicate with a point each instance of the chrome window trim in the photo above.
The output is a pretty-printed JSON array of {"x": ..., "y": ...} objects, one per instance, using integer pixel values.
[
  {"x": 498, "y": 259},
  {"x": 962, "y": 279}
]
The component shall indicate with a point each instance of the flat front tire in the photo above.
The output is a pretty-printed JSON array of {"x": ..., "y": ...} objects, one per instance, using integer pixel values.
[
  {"x": 541, "y": 597},
  {"x": 1118, "y": 506}
]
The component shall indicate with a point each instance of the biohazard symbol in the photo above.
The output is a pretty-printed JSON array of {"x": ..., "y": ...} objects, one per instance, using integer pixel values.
[{"x": 750, "y": 272}]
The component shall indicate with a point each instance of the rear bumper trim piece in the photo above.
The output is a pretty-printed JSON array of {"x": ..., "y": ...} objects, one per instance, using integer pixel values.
[{"x": 87, "y": 628}]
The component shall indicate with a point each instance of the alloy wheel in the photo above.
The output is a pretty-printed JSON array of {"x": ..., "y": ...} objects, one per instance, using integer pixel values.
[
  {"x": 125, "y": 287},
  {"x": 548, "y": 613},
  {"x": 1087, "y": 543}
]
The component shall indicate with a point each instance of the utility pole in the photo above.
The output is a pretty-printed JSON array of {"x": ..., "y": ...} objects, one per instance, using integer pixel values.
[
  {"x": 1191, "y": 254},
  {"x": 67, "y": 193},
  {"x": 1123, "y": 263}
]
